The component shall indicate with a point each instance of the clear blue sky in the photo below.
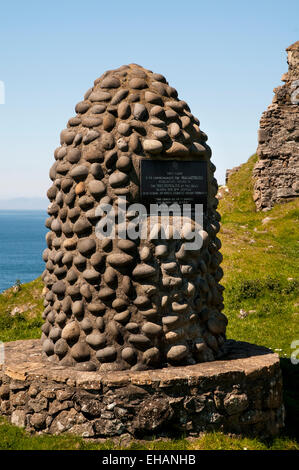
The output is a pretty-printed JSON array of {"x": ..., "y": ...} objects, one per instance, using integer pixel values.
[{"x": 224, "y": 58}]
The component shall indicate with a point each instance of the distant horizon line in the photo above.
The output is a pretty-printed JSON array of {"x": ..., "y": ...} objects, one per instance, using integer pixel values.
[{"x": 22, "y": 197}]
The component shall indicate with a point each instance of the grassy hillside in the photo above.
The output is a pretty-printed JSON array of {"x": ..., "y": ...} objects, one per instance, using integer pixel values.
[
  {"x": 261, "y": 266},
  {"x": 261, "y": 303},
  {"x": 21, "y": 308}
]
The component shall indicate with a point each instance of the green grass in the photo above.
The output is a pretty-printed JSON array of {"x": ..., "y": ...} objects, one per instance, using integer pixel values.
[
  {"x": 261, "y": 269},
  {"x": 27, "y": 323},
  {"x": 13, "y": 438}
]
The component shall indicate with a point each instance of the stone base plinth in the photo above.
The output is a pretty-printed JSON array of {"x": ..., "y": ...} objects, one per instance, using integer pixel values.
[{"x": 241, "y": 394}]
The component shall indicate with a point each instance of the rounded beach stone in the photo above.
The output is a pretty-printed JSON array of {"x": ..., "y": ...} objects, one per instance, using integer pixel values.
[
  {"x": 91, "y": 121},
  {"x": 61, "y": 347},
  {"x": 124, "y": 163},
  {"x": 80, "y": 188},
  {"x": 177, "y": 353},
  {"x": 78, "y": 308},
  {"x": 107, "y": 140},
  {"x": 124, "y": 128},
  {"x": 66, "y": 184},
  {"x": 96, "y": 340},
  {"x": 174, "y": 129},
  {"x": 143, "y": 271},
  {"x": 158, "y": 112},
  {"x": 72, "y": 276},
  {"x": 96, "y": 188},
  {"x": 86, "y": 291},
  {"x": 80, "y": 352},
  {"x": 73, "y": 155},
  {"x": 124, "y": 110},
  {"x": 66, "y": 305},
  {"x": 99, "y": 96},
  {"x": 151, "y": 356},
  {"x": 161, "y": 135},
  {"x": 107, "y": 354},
  {"x": 140, "y": 341},
  {"x": 137, "y": 83},
  {"x": 110, "y": 276},
  {"x": 91, "y": 275},
  {"x": 96, "y": 170},
  {"x": 129, "y": 355},
  {"x": 48, "y": 347},
  {"x": 86, "y": 325},
  {"x": 159, "y": 88},
  {"x": 186, "y": 121},
  {"x": 126, "y": 245},
  {"x": 110, "y": 82},
  {"x": 119, "y": 96},
  {"x": 61, "y": 318},
  {"x": 73, "y": 291},
  {"x": 97, "y": 260},
  {"x": 56, "y": 225},
  {"x": 159, "y": 77},
  {"x": 119, "y": 259},
  {"x": 77, "y": 139},
  {"x": 82, "y": 107},
  {"x": 55, "y": 334},
  {"x": 71, "y": 332},
  {"x": 216, "y": 326},
  {"x": 98, "y": 108},
  {"x": 122, "y": 144},
  {"x": 132, "y": 327},
  {"x": 96, "y": 308},
  {"x": 79, "y": 172},
  {"x": 67, "y": 136},
  {"x": 142, "y": 301},
  {"x": 94, "y": 153},
  {"x": 134, "y": 143},
  {"x": 59, "y": 287},
  {"x": 145, "y": 253},
  {"x": 153, "y": 98},
  {"x": 177, "y": 150},
  {"x": 140, "y": 112},
  {"x": 152, "y": 146},
  {"x": 81, "y": 225},
  {"x": 90, "y": 136},
  {"x": 106, "y": 293},
  {"x": 79, "y": 260},
  {"x": 151, "y": 329},
  {"x": 118, "y": 178},
  {"x": 108, "y": 122},
  {"x": 122, "y": 317}
]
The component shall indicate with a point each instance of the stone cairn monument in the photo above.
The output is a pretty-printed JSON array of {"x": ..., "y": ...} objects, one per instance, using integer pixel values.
[
  {"x": 133, "y": 337},
  {"x": 115, "y": 304},
  {"x": 276, "y": 172}
]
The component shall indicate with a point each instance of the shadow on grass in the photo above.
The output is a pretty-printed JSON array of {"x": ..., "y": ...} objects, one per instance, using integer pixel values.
[{"x": 290, "y": 376}]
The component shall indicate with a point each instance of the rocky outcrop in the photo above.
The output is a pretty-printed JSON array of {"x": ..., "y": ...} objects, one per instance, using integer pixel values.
[
  {"x": 276, "y": 172},
  {"x": 230, "y": 172}
]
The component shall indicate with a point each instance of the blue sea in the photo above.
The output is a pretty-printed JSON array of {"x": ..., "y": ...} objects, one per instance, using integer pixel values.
[{"x": 22, "y": 241}]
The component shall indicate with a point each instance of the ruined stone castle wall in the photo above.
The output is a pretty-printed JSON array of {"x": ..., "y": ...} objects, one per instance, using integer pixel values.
[{"x": 277, "y": 170}]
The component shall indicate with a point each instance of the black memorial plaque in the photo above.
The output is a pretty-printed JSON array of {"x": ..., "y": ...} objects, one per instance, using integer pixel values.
[{"x": 173, "y": 181}]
